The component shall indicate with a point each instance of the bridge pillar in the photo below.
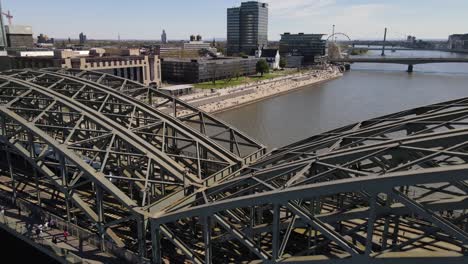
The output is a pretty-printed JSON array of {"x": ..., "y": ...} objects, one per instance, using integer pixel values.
[
  {"x": 156, "y": 242},
  {"x": 410, "y": 68},
  {"x": 384, "y": 40}
]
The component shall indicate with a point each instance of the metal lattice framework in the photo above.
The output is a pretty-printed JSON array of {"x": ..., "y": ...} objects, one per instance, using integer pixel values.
[
  {"x": 172, "y": 183},
  {"x": 86, "y": 151},
  {"x": 387, "y": 190},
  {"x": 221, "y": 132}
]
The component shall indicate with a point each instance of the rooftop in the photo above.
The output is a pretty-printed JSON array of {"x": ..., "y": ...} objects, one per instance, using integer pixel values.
[
  {"x": 204, "y": 59},
  {"x": 269, "y": 53}
]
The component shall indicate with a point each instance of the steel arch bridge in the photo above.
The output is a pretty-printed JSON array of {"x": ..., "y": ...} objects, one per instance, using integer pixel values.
[
  {"x": 170, "y": 183},
  {"x": 80, "y": 145}
]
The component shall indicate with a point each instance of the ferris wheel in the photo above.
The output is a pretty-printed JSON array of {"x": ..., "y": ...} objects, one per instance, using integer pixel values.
[{"x": 331, "y": 37}]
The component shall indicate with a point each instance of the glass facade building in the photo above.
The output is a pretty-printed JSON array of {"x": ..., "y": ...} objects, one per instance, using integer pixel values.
[
  {"x": 233, "y": 30},
  {"x": 247, "y": 27},
  {"x": 203, "y": 70},
  {"x": 308, "y": 46}
]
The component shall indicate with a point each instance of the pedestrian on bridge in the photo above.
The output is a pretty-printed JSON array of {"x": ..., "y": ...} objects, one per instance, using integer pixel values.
[
  {"x": 52, "y": 223},
  {"x": 65, "y": 235},
  {"x": 2, "y": 214},
  {"x": 38, "y": 232}
]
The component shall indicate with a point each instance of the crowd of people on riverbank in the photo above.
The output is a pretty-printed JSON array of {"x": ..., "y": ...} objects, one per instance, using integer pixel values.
[{"x": 227, "y": 98}]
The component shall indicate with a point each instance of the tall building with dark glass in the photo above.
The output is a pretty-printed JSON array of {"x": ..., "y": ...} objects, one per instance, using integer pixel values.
[
  {"x": 247, "y": 28},
  {"x": 309, "y": 46}
]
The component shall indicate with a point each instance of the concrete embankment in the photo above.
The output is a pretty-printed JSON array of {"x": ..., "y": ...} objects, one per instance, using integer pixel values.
[{"x": 229, "y": 98}]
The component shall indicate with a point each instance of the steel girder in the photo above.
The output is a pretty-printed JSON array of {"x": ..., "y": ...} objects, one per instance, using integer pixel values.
[
  {"x": 35, "y": 131},
  {"x": 217, "y": 130},
  {"x": 100, "y": 158},
  {"x": 388, "y": 189}
]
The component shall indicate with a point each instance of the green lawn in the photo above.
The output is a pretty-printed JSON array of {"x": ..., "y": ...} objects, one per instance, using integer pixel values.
[{"x": 242, "y": 80}]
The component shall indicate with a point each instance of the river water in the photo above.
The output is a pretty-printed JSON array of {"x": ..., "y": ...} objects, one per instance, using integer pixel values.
[{"x": 368, "y": 90}]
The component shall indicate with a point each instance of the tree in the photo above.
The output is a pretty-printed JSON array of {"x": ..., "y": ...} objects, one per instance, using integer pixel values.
[
  {"x": 262, "y": 67},
  {"x": 220, "y": 48},
  {"x": 282, "y": 62},
  {"x": 238, "y": 71},
  {"x": 213, "y": 74}
]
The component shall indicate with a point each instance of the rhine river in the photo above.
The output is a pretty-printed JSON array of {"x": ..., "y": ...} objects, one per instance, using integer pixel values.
[{"x": 367, "y": 91}]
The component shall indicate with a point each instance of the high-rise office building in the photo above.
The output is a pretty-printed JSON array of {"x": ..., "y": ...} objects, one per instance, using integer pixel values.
[
  {"x": 164, "y": 37},
  {"x": 247, "y": 27},
  {"x": 82, "y": 38}
]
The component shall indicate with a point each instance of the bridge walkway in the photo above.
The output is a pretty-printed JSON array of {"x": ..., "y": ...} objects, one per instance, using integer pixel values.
[{"x": 23, "y": 224}]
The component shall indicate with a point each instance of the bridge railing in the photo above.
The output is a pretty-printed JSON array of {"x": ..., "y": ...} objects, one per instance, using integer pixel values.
[
  {"x": 26, "y": 234},
  {"x": 254, "y": 156},
  {"x": 73, "y": 229}
]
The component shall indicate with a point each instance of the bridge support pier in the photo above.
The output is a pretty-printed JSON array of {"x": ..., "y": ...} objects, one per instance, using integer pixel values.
[{"x": 410, "y": 68}]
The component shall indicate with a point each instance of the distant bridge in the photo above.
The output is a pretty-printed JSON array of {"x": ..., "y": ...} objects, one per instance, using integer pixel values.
[
  {"x": 376, "y": 42},
  {"x": 406, "y": 61},
  {"x": 387, "y": 42},
  {"x": 380, "y": 48}
]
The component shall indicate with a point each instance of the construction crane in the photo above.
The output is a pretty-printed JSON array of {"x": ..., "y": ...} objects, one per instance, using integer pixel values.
[{"x": 9, "y": 16}]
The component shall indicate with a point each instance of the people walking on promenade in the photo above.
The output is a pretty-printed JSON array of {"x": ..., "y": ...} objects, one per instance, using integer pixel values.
[{"x": 230, "y": 97}]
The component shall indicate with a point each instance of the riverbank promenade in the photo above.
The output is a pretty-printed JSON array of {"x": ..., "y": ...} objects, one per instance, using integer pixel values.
[{"x": 233, "y": 97}]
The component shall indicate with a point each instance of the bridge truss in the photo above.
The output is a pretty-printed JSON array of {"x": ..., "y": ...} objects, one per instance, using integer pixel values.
[
  {"x": 87, "y": 150},
  {"x": 169, "y": 182},
  {"x": 387, "y": 190}
]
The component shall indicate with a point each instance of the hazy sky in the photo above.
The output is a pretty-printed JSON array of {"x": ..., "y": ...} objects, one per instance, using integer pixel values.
[{"x": 145, "y": 19}]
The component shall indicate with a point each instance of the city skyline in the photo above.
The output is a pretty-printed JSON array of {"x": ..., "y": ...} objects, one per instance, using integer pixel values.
[{"x": 361, "y": 19}]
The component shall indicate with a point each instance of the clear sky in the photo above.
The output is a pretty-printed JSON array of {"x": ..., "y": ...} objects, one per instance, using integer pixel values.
[{"x": 145, "y": 19}]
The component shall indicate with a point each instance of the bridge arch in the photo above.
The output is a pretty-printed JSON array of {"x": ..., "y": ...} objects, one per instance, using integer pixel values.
[
  {"x": 79, "y": 136},
  {"x": 28, "y": 135},
  {"x": 345, "y": 163}
]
